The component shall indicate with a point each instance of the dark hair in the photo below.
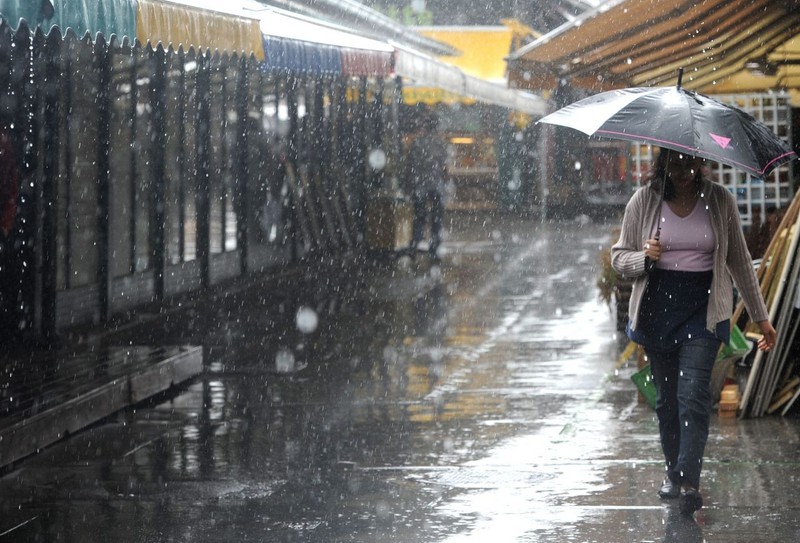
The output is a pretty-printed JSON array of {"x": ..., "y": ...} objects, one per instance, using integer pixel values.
[{"x": 658, "y": 175}]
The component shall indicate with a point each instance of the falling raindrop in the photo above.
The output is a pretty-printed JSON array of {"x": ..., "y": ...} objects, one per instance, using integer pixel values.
[
  {"x": 284, "y": 361},
  {"x": 307, "y": 320},
  {"x": 377, "y": 159}
]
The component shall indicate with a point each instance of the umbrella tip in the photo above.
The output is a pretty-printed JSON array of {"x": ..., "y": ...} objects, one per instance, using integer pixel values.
[{"x": 680, "y": 77}]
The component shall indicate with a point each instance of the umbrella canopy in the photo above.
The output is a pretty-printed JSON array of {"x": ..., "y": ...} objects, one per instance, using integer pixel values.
[{"x": 681, "y": 120}]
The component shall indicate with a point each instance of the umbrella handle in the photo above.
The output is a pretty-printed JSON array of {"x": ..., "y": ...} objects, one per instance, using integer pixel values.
[
  {"x": 649, "y": 264},
  {"x": 680, "y": 77}
]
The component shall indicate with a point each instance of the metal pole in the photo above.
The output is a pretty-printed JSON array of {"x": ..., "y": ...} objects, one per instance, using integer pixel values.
[
  {"x": 103, "y": 66},
  {"x": 203, "y": 135},
  {"x": 242, "y": 156},
  {"x": 49, "y": 195},
  {"x": 157, "y": 169}
]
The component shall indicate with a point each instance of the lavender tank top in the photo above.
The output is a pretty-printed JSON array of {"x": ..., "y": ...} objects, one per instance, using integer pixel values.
[{"x": 687, "y": 242}]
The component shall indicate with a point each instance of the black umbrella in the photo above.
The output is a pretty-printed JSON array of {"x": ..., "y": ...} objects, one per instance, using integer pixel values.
[{"x": 681, "y": 120}]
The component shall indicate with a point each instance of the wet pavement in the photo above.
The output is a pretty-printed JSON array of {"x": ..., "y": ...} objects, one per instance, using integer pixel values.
[{"x": 474, "y": 400}]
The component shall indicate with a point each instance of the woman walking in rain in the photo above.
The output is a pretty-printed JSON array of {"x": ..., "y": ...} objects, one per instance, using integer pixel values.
[{"x": 685, "y": 249}]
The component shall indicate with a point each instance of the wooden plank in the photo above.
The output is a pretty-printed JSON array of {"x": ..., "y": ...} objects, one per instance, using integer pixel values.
[
  {"x": 783, "y": 304},
  {"x": 779, "y": 402},
  {"x": 779, "y": 353},
  {"x": 790, "y": 403},
  {"x": 788, "y": 387},
  {"x": 774, "y": 248}
]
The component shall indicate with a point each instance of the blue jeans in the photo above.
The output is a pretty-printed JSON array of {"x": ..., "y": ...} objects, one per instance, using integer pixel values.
[{"x": 683, "y": 404}]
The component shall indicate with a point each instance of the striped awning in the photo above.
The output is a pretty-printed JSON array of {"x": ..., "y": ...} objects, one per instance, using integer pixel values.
[{"x": 625, "y": 43}]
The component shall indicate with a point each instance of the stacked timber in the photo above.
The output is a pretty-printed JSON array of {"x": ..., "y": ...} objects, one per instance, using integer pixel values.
[{"x": 772, "y": 383}]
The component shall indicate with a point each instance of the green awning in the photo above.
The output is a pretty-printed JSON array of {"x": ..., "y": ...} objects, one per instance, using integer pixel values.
[{"x": 106, "y": 16}]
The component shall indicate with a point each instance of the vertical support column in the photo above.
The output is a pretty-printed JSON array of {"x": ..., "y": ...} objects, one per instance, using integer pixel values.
[
  {"x": 20, "y": 256},
  {"x": 203, "y": 145},
  {"x": 379, "y": 112},
  {"x": 242, "y": 161},
  {"x": 157, "y": 169},
  {"x": 220, "y": 177},
  {"x": 318, "y": 136},
  {"x": 69, "y": 161},
  {"x": 28, "y": 122},
  {"x": 362, "y": 111},
  {"x": 49, "y": 195},
  {"x": 339, "y": 117},
  {"x": 103, "y": 102},
  {"x": 397, "y": 138},
  {"x": 182, "y": 120},
  {"x": 378, "y": 118},
  {"x": 294, "y": 131},
  {"x": 293, "y": 157},
  {"x": 133, "y": 177}
]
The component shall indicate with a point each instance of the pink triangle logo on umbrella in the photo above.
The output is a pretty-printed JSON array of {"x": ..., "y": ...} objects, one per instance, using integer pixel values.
[{"x": 722, "y": 141}]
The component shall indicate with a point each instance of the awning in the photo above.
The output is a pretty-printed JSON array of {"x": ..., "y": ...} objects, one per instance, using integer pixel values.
[
  {"x": 420, "y": 70},
  {"x": 484, "y": 48},
  {"x": 360, "y": 62},
  {"x": 105, "y": 16},
  {"x": 204, "y": 24},
  {"x": 297, "y": 57},
  {"x": 780, "y": 69},
  {"x": 644, "y": 42},
  {"x": 359, "y": 56}
]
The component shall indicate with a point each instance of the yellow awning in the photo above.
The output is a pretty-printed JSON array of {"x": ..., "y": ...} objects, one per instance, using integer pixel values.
[
  {"x": 483, "y": 48},
  {"x": 644, "y": 42},
  {"x": 779, "y": 69},
  {"x": 432, "y": 96},
  {"x": 192, "y": 23}
]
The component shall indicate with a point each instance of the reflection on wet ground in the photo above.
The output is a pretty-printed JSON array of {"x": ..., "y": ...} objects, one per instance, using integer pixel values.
[{"x": 475, "y": 400}]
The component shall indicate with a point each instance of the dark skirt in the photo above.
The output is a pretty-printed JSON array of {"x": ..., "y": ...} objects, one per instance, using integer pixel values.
[{"x": 673, "y": 311}]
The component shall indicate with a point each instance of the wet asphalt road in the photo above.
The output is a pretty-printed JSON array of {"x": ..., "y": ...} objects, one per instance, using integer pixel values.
[{"x": 472, "y": 401}]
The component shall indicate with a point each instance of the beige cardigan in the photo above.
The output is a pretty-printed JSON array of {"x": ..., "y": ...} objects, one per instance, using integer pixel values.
[{"x": 732, "y": 261}]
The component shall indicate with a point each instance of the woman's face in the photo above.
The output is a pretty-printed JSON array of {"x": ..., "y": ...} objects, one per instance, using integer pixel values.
[{"x": 683, "y": 168}]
